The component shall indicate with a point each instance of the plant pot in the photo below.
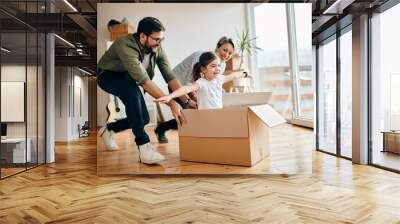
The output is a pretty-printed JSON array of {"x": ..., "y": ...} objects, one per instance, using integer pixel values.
[{"x": 241, "y": 82}]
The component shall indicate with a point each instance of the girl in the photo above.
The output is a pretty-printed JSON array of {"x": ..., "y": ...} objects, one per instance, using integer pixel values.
[
  {"x": 208, "y": 83},
  {"x": 183, "y": 71}
]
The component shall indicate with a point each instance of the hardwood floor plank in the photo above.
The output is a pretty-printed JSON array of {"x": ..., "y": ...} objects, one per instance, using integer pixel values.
[
  {"x": 70, "y": 191},
  {"x": 290, "y": 153}
]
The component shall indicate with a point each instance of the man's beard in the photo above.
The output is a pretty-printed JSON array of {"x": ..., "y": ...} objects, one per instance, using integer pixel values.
[{"x": 148, "y": 48}]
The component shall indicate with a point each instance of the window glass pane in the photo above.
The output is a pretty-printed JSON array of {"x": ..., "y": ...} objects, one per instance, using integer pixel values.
[
  {"x": 41, "y": 98},
  {"x": 327, "y": 97},
  {"x": 304, "y": 59},
  {"x": 272, "y": 67},
  {"x": 31, "y": 97},
  {"x": 346, "y": 93},
  {"x": 15, "y": 151}
]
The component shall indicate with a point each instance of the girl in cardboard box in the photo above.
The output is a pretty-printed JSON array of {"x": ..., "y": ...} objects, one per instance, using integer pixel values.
[
  {"x": 224, "y": 50},
  {"x": 207, "y": 84}
]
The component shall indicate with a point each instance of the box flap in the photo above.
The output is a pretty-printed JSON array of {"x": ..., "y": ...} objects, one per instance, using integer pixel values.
[
  {"x": 268, "y": 115},
  {"x": 258, "y": 138},
  {"x": 227, "y": 122},
  {"x": 243, "y": 99}
]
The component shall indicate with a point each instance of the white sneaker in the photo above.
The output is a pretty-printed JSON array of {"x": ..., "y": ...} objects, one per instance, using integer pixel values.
[
  {"x": 149, "y": 155},
  {"x": 108, "y": 138}
]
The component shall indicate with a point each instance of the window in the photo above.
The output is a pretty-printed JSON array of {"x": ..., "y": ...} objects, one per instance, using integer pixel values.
[
  {"x": 385, "y": 87},
  {"x": 272, "y": 63},
  {"x": 284, "y": 66}
]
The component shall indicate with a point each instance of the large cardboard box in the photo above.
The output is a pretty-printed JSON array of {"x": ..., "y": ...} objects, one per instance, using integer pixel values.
[{"x": 238, "y": 134}]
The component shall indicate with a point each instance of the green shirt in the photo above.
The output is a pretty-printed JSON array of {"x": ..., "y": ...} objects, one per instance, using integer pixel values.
[{"x": 127, "y": 53}]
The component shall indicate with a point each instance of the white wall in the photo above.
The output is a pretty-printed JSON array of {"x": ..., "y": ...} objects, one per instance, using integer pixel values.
[
  {"x": 61, "y": 103},
  {"x": 15, "y": 72},
  {"x": 189, "y": 27},
  {"x": 70, "y": 83}
]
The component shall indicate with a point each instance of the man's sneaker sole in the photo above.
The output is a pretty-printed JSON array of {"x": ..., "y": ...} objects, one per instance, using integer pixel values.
[
  {"x": 112, "y": 149},
  {"x": 149, "y": 162}
]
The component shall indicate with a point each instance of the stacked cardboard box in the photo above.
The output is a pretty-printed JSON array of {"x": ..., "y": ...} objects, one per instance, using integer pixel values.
[{"x": 120, "y": 30}]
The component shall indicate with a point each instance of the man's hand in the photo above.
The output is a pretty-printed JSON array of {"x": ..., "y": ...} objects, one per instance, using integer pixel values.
[
  {"x": 164, "y": 99},
  {"x": 177, "y": 112},
  {"x": 156, "y": 92},
  {"x": 192, "y": 104}
]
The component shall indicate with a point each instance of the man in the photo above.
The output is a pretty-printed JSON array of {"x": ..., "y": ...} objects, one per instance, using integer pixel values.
[{"x": 127, "y": 64}]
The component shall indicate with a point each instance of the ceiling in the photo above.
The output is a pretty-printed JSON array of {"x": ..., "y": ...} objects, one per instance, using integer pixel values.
[{"x": 77, "y": 22}]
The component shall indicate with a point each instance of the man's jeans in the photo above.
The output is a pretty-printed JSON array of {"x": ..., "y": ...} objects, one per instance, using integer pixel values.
[
  {"x": 123, "y": 86},
  {"x": 171, "y": 124}
]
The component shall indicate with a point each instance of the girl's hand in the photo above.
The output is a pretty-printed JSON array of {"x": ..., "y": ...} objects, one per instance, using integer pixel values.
[{"x": 164, "y": 99}]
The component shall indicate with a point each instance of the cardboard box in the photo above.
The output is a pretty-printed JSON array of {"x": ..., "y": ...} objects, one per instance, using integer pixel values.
[{"x": 235, "y": 135}]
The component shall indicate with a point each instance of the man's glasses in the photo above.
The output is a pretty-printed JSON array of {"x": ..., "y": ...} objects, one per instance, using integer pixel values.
[{"x": 158, "y": 40}]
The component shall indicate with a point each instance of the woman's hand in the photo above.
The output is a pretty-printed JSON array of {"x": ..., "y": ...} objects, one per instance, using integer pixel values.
[
  {"x": 249, "y": 76},
  {"x": 164, "y": 99},
  {"x": 244, "y": 74}
]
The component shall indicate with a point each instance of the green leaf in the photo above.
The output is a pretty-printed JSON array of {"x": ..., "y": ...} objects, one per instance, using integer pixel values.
[{"x": 246, "y": 43}]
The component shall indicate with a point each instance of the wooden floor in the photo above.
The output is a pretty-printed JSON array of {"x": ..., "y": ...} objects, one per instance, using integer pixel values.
[
  {"x": 70, "y": 191},
  {"x": 387, "y": 159},
  {"x": 290, "y": 153},
  {"x": 10, "y": 171}
]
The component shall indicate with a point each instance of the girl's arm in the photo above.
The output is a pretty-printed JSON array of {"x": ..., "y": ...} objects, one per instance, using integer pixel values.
[
  {"x": 177, "y": 93},
  {"x": 235, "y": 75}
]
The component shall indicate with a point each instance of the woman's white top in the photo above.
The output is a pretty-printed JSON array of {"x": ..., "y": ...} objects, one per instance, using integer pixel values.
[{"x": 183, "y": 70}]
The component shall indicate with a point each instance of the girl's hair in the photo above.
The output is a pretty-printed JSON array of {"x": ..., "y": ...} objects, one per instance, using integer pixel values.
[
  {"x": 225, "y": 40},
  {"x": 205, "y": 59}
]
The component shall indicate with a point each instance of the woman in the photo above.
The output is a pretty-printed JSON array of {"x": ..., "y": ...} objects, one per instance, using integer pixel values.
[{"x": 224, "y": 51}]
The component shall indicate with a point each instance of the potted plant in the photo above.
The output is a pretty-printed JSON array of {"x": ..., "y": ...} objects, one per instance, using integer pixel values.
[{"x": 244, "y": 44}]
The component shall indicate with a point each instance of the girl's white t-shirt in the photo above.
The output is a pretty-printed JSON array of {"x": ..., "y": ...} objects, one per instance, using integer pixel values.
[{"x": 209, "y": 95}]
